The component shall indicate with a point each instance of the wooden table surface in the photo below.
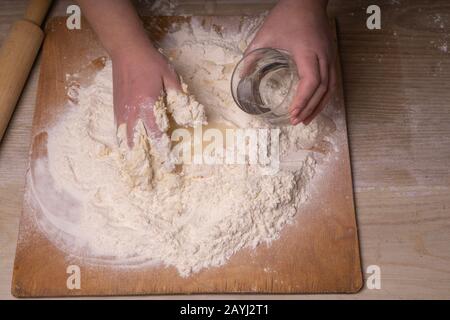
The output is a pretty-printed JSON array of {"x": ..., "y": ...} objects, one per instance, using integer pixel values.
[{"x": 397, "y": 87}]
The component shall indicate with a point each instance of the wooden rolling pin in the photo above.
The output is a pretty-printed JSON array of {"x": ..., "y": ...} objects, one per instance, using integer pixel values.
[{"x": 17, "y": 56}]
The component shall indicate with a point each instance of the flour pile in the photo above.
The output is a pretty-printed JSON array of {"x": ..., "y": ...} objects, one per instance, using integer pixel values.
[{"x": 129, "y": 210}]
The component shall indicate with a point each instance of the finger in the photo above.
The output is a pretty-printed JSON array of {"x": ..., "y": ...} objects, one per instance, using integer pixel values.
[
  {"x": 148, "y": 117},
  {"x": 309, "y": 74},
  {"x": 326, "y": 98},
  {"x": 248, "y": 64},
  {"x": 125, "y": 115},
  {"x": 250, "y": 60},
  {"x": 131, "y": 123},
  {"x": 118, "y": 117},
  {"x": 252, "y": 46},
  {"x": 318, "y": 110},
  {"x": 172, "y": 81},
  {"x": 319, "y": 93}
]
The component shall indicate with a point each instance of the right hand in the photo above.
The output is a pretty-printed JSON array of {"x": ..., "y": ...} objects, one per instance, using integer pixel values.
[
  {"x": 302, "y": 28},
  {"x": 139, "y": 78}
]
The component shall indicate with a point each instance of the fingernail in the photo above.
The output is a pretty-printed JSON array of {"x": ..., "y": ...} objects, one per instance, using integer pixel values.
[{"x": 295, "y": 113}]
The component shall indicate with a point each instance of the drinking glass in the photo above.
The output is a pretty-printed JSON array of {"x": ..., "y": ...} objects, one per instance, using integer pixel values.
[{"x": 264, "y": 83}]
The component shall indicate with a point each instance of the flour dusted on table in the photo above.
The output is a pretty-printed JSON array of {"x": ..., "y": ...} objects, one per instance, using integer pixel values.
[
  {"x": 129, "y": 209},
  {"x": 183, "y": 107}
]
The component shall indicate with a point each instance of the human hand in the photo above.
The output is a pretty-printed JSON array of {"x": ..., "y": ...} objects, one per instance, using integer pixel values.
[
  {"x": 140, "y": 77},
  {"x": 302, "y": 28}
]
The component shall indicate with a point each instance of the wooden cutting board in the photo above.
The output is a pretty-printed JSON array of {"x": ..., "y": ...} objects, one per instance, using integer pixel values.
[{"x": 319, "y": 253}]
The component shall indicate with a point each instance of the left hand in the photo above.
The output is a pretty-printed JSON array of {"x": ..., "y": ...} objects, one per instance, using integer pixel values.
[
  {"x": 302, "y": 28},
  {"x": 140, "y": 76}
]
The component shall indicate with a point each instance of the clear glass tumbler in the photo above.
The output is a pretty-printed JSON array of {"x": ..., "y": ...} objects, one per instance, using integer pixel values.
[{"x": 264, "y": 83}]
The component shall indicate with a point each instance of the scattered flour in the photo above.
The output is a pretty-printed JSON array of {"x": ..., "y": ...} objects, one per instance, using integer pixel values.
[
  {"x": 443, "y": 47},
  {"x": 185, "y": 110},
  {"x": 126, "y": 210}
]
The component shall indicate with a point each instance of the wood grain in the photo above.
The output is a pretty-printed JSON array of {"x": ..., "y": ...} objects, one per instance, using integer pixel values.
[{"x": 389, "y": 80}]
